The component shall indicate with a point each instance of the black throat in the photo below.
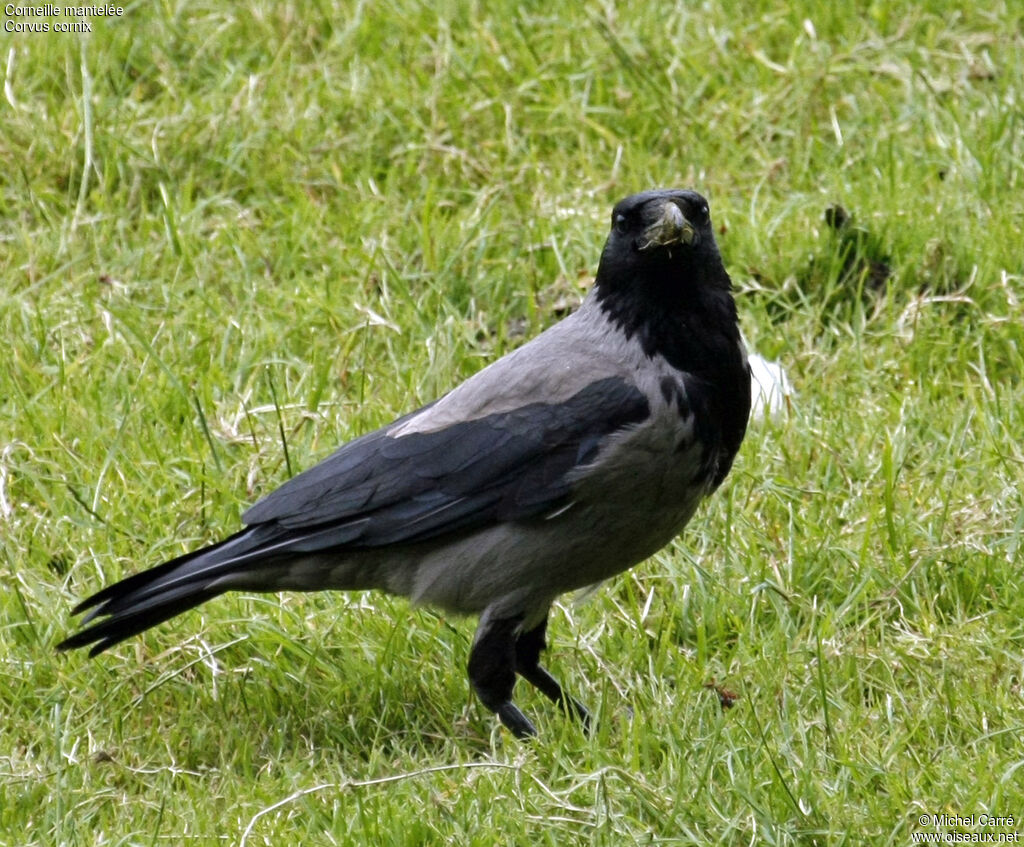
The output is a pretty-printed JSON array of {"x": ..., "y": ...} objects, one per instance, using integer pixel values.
[{"x": 686, "y": 314}]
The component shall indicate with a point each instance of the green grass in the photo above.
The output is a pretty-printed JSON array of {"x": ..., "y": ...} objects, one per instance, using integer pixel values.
[{"x": 233, "y": 236}]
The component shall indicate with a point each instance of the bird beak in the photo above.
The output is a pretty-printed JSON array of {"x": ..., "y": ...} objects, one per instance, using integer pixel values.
[{"x": 671, "y": 227}]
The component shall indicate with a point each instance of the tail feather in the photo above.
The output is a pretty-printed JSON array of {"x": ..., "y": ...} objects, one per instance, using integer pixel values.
[
  {"x": 116, "y": 629},
  {"x": 146, "y": 599}
]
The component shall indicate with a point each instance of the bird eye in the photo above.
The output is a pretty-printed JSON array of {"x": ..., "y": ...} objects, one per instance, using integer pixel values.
[
  {"x": 703, "y": 213},
  {"x": 621, "y": 224}
]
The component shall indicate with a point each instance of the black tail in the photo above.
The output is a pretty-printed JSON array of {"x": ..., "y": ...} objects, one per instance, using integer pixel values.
[{"x": 138, "y": 602}]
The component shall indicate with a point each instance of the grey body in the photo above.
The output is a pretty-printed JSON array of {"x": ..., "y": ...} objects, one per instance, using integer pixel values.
[
  {"x": 567, "y": 461},
  {"x": 523, "y": 566}
]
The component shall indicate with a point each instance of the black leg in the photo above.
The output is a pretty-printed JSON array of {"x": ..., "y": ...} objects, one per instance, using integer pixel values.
[
  {"x": 492, "y": 672},
  {"x": 527, "y": 652}
]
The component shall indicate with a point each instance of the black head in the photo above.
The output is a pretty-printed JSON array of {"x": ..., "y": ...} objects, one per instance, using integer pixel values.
[
  {"x": 664, "y": 236},
  {"x": 661, "y": 281}
]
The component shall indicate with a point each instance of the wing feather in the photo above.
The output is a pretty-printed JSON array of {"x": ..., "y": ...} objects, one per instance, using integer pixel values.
[{"x": 511, "y": 465}]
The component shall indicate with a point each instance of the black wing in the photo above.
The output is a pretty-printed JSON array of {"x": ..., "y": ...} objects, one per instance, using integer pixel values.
[{"x": 384, "y": 489}]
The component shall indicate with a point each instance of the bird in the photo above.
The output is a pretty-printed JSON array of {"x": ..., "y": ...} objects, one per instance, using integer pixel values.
[{"x": 563, "y": 463}]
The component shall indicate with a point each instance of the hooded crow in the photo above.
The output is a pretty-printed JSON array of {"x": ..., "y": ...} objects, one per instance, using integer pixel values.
[{"x": 563, "y": 463}]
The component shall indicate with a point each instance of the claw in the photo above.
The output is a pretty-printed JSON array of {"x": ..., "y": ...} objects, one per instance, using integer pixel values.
[{"x": 515, "y": 721}]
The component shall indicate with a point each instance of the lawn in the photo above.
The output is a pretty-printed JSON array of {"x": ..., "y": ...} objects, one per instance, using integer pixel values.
[{"x": 233, "y": 236}]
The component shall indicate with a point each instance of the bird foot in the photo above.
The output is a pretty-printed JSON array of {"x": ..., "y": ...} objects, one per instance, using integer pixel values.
[{"x": 515, "y": 721}]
